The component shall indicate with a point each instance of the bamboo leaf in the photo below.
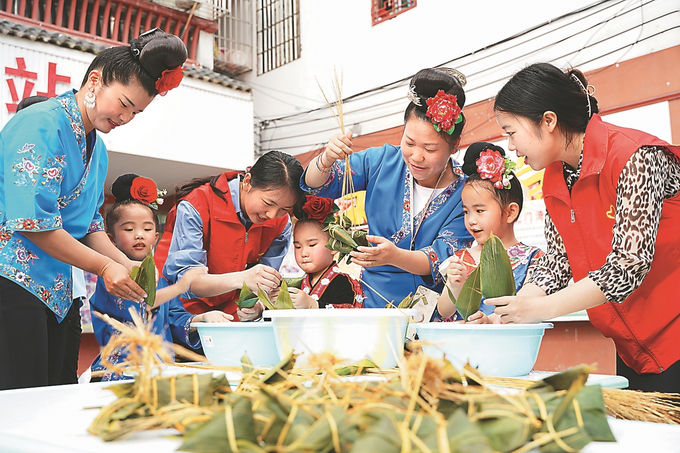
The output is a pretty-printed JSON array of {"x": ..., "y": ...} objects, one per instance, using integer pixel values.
[
  {"x": 264, "y": 298},
  {"x": 286, "y": 364},
  {"x": 470, "y": 297},
  {"x": 145, "y": 276},
  {"x": 497, "y": 279},
  {"x": 246, "y": 364},
  {"x": 283, "y": 300},
  {"x": 214, "y": 435},
  {"x": 246, "y": 299},
  {"x": 293, "y": 282},
  {"x": 355, "y": 368}
]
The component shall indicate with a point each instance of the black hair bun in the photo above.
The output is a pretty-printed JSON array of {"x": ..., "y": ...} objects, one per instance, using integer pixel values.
[
  {"x": 121, "y": 187},
  {"x": 427, "y": 82},
  {"x": 472, "y": 154},
  {"x": 160, "y": 51}
]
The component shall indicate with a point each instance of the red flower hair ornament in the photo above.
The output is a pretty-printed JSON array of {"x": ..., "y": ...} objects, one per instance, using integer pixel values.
[
  {"x": 493, "y": 166},
  {"x": 145, "y": 191},
  {"x": 319, "y": 208},
  {"x": 444, "y": 112},
  {"x": 169, "y": 79}
]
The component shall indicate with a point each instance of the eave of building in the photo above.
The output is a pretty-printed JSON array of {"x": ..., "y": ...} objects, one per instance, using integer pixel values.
[{"x": 20, "y": 28}]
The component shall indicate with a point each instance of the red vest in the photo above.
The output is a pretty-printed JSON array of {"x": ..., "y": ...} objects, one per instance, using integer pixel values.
[
  {"x": 230, "y": 248},
  {"x": 646, "y": 326}
]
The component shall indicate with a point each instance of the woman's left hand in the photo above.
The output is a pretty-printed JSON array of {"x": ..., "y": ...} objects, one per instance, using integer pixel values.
[
  {"x": 250, "y": 314},
  {"x": 379, "y": 255},
  {"x": 519, "y": 309}
]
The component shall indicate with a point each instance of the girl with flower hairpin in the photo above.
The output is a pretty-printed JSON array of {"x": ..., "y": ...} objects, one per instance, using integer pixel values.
[
  {"x": 413, "y": 206},
  {"x": 324, "y": 284},
  {"x": 492, "y": 201},
  {"x": 53, "y": 172},
  {"x": 132, "y": 226}
]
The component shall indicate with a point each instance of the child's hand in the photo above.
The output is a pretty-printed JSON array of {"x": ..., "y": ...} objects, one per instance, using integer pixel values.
[
  {"x": 301, "y": 299},
  {"x": 478, "y": 318},
  {"x": 213, "y": 316},
  {"x": 190, "y": 276},
  {"x": 456, "y": 274},
  {"x": 251, "y": 314},
  {"x": 261, "y": 276},
  {"x": 274, "y": 293}
]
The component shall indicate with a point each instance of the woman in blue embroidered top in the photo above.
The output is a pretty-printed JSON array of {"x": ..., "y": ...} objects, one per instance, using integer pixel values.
[
  {"x": 51, "y": 188},
  {"x": 413, "y": 204}
]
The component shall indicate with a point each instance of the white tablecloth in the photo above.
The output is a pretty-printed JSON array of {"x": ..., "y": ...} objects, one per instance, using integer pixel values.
[{"x": 55, "y": 420}]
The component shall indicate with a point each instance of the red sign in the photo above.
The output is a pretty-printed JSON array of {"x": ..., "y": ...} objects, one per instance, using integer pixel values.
[{"x": 22, "y": 73}]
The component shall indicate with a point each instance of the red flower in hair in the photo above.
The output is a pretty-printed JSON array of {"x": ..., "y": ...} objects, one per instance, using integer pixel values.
[
  {"x": 170, "y": 78},
  {"x": 318, "y": 208},
  {"x": 444, "y": 112},
  {"x": 492, "y": 165},
  {"x": 144, "y": 190}
]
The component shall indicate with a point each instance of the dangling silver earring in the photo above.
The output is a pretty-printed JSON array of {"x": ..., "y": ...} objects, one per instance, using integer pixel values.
[{"x": 90, "y": 99}]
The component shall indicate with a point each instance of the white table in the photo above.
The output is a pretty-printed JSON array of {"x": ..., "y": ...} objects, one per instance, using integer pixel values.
[{"x": 55, "y": 420}]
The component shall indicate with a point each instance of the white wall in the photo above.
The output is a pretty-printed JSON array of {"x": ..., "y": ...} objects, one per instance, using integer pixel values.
[
  {"x": 340, "y": 35},
  {"x": 203, "y": 124}
]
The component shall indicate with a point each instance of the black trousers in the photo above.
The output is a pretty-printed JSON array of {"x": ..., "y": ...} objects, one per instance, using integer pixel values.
[
  {"x": 35, "y": 349},
  {"x": 667, "y": 381}
]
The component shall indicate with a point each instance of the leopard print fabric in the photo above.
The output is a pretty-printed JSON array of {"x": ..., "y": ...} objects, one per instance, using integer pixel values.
[{"x": 651, "y": 175}]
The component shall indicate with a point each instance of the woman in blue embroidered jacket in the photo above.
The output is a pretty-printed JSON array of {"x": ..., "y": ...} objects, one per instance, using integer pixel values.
[
  {"x": 51, "y": 187},
  {"x": 132, "y": 226},
  {"x": 413, "y": 204}
]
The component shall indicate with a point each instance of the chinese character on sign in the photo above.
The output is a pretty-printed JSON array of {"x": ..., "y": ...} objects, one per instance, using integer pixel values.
[{"x": 14, "y": 75}]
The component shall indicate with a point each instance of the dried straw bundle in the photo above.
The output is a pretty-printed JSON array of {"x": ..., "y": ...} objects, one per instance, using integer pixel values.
[{"x": 654, "y": 407}]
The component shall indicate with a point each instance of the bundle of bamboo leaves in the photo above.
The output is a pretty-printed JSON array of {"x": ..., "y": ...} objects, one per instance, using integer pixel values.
[
  {"x": 493, "y": 277},
  {"x": 145, "y": 276},
  {"x": 428, "y": 406}
]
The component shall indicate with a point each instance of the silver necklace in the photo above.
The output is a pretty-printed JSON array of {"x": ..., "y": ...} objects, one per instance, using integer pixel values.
[{"x": 427, "y": 205}]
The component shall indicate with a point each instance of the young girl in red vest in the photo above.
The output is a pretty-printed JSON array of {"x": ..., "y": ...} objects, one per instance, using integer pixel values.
[
  {"x": 611, "y": 195},
  {"x": 492, "y": 201},
  {"x": 236, "y": 224},
  {"x": 132, "y": 227},
  {"x": 324, "y": 284}
]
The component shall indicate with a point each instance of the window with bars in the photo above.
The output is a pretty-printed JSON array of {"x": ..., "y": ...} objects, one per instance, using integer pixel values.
[
  {"x": 388, "y": 9},
  {"x": 278, "y": 33}
]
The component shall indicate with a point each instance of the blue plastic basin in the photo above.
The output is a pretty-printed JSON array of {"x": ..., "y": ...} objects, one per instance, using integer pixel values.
[
  {"x": 494, "y": 349},
  {"x": 225, "y": 343}
]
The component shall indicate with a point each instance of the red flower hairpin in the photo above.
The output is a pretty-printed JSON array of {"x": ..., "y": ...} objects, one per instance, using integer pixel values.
[
  {"x": 169, "y": 79},
  {"x": 444, "y": 112},
  {"x": 145, "y": 191},
  {"x": 493, "y": 166},
  {"x": 319, "y": 208}
]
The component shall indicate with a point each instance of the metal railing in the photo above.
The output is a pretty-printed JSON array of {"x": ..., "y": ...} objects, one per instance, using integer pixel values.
[
  {"x": 234, "y": 37},
  {"x": 112, "y": 22}
]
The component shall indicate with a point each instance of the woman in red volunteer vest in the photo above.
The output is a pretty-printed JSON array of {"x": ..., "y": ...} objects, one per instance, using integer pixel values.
[
  {"x": 236, "y": 224},
  {"x": 613, "y": 208}
]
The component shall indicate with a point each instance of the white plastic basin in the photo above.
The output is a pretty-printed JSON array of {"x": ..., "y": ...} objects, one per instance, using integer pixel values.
[
  {"x": 225, "y": 343},
  {"x": 495, "y": 349},
  {"x": 377, "y": 334}
]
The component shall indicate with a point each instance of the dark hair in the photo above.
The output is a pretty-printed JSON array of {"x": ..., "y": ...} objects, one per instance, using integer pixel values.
[
  {"x": 426, "y": 83},
  {"x": 122, "y": 198},
  {"x": 504, "y": 196},
  {"x": 29, "y": 101},
  {"x": 144, "y": 60},
  {"x": 274, "y": 170},
  {"x": 543, "y": 87}
]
